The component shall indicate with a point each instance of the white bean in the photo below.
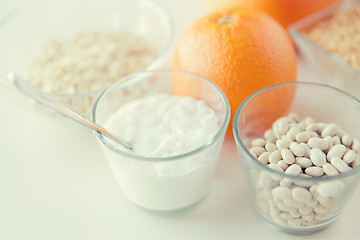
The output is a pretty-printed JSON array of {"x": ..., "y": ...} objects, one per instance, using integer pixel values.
[
  {"x": 327, "y": 202},
  {"x": 258, "y": 142},
  {"x": 308, "y": 217},
  {"x": 269, "y": 136},
  {"x": 304, "y": 183},
  {"x": 320, "y": 209},
  {"x": 306, "y": 148},
  {"x": 355, "y": 145},
  {"x": 301, "y": 125},
  {"x": 309, "y": 120},
  {"x": 346, "y": 140},
  {"x": 275, "y": 167},
  {"x": 355, "y": 163},
  {"x": 293, "y": 170},
  {"x": 305, "y": 210},
  {"x": 286, "y": 208},
  {"x": 293, "y": 203},
  {"x": 295, "y": 117},
  {"x": 301, "y": 195},
  {"x": 314, "y": 171},
  {"x": 319, "y": 143},
  {"x": 287, "y": 156},
  {"x": 312, "y": 203},
  {"x": 337, "y": 150},
  {"x": 256, "y": 151},
  {"x": 283, "y": 125},
  {"x": 283, "y": 143},
  {"x": 274, "y": 209},
  {"x": 295, "y": 214},
  {"x": 297, "y": 222},
  {"x": 317, "y": 156},
  {"x": 320, "y": 216},
  {"x": 281, "y": 193},
  {"x": 265, "y": 180},
  {"x": 293, "y": 131},
  {"x": 336, "y": 140},
  {"x": 305, "y": 136},
  {"x": 280, "y": 127},
  {"x": 283, "y": 164},
  {"x": 340, "y": 165},
  {"x": 285, "y": 183},
  {"x": 303, "y": 162},
  {"x": 340, "y": 132},
  {"x": 270, "y": 147},
  {"x": 329, "y": 169},
  {"x": 264, "y": 157},
  {"x": 312, "y": 127},
  {"x": 297, "y": 150},
  {"x": 328, "y": 189},
  {"x": 275, "y": 156},
  {"x": 349, "y": 156},
  {"x": 330, "y": 142},
  {"x": 329, "y": 130},
  {"x": 321, "y": 126},
  {"x": 286, "y": 216}
]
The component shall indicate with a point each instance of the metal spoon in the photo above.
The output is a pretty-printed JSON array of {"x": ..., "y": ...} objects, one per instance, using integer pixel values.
[{"x": 47, "y": 100}]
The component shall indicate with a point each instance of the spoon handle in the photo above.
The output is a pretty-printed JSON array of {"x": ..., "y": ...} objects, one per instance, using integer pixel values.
[{"x": 47, "y": 100}]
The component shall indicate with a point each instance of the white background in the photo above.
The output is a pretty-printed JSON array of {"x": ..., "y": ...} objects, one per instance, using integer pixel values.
[{"x": 55, "y": 183}]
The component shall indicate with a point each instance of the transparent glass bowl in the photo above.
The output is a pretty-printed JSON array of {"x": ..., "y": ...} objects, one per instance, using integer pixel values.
[
  {"x": 25, "y": 32},
  {"x": 324, "y": 104},
  {"x": 335, "y": 71},
  {"x": 163, "y": 183}
]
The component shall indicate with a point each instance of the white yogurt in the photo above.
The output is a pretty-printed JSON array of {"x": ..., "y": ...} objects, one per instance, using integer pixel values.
[{"x": 162, "y": 126}]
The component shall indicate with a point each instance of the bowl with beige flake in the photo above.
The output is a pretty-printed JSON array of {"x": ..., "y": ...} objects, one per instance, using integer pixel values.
[
  {"x": 329, "y": 41},
  {"x": 303, "y": 168},
  {"x": 75, "y": 49}
]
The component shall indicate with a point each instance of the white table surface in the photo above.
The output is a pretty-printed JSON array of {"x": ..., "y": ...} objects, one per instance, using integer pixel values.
[{"x": 56, "y": 184}]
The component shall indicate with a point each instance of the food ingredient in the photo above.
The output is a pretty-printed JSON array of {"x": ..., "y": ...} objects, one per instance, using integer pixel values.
[
  {"x": 284, "y": 11},
  {"x": 164, "y": 125},
  {"x": 312, "y": 150},
  {"x": 158, "y": 127},
  {"x": 88, "y": 62},
  {"x": 241, "y": 50},
  {"x": 339, "y": 34}
]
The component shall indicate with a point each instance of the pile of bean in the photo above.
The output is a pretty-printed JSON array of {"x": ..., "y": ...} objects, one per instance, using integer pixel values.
[{"x": 305, "y": 148}]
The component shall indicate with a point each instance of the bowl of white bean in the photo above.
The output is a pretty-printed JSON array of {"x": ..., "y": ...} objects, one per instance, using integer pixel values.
[
  {"x": 302, "y": 170},
  {"x": 74, "y": 49}
]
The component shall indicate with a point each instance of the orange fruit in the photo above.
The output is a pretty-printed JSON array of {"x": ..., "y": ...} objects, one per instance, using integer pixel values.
[
  {"x": 284, "y": 11},
  {"x": 241, "y": 50}
]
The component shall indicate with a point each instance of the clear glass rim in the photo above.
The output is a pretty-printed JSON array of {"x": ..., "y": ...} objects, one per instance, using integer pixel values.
[
  {"x": 240, "y": 144},
  {"x": 160, "y": 58},
  {"x": 203, "y": 147},
  {"x": 294, "y": 30}
]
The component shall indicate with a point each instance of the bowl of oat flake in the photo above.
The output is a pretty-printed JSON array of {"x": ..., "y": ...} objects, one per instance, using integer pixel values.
[{"x": 75, "y": 49}]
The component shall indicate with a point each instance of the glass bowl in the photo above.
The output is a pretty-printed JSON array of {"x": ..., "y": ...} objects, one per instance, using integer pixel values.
[
  {"x": 170, "y": 182},
  {"x": 274, "y": 193},
  {"x": 26, "y": 31},
  {"x": 335, "y": 71}
]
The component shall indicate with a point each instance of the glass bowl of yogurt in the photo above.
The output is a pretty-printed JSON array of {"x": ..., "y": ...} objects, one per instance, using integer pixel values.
[
  {"x": 302, "y": 169},
  {"x": 175, "y": 122}
]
